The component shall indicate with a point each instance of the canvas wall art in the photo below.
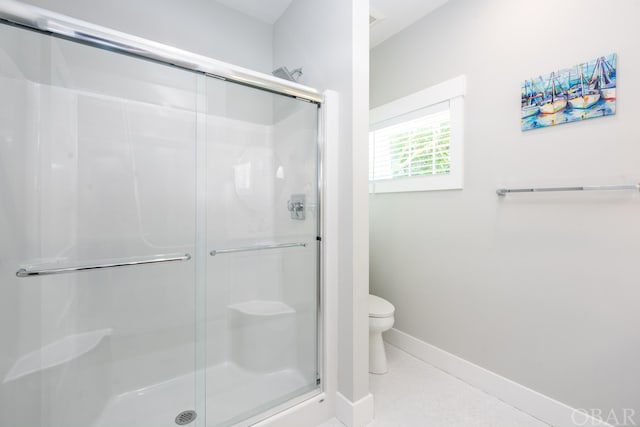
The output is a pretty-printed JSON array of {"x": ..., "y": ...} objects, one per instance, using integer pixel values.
[{"x": 584, "y": 91}]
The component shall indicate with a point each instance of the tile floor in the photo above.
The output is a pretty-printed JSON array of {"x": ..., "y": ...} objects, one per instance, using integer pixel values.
[{"x": 415, "y": 394}]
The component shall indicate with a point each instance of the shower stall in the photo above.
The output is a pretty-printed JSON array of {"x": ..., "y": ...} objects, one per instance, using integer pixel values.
[{"x": 160, "y": 233}]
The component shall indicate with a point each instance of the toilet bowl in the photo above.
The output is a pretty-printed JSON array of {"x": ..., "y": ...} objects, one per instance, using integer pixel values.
[{"x": 380, "y": 320}]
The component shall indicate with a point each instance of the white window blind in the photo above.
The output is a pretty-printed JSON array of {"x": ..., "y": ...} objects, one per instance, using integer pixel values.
[
  {"x": 416, "y": 143},
  {"x": 411, "y": 145}
]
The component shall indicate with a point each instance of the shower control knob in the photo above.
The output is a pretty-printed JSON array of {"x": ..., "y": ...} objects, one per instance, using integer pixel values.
[{"x": 295, "y": 206}]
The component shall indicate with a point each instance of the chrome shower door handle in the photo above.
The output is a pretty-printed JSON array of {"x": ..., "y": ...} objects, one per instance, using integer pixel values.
[{"x": 45, "y": 270}]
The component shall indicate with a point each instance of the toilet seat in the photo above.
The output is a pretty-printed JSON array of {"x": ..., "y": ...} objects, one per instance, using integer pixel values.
[{"x": 380, "y": 308}]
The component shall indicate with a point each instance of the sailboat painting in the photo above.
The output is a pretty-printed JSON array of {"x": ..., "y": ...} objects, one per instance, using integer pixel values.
[{"x": 585, "y": 91}]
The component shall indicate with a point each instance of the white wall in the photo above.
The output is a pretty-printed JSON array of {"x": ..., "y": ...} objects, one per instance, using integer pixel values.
[
  {"x": 329, "y": 40},
  {"x": 201, "y": 26},
  {"x": 542, "y": 289}
]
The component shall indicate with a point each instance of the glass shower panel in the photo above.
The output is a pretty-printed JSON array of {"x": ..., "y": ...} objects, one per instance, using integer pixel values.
[
  {"x": 262, "y": 228},
  {"x": 97, "y": 166}
]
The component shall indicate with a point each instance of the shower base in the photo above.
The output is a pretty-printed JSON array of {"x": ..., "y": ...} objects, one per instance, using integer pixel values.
[{"x": 233, "y": 394}]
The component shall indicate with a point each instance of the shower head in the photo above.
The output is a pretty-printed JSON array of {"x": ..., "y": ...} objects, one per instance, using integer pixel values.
[{"x": 284, "y": 73}]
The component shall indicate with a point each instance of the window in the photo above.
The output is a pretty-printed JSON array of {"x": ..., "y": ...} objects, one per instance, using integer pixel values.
[
  {"x": 415, "y": 143},
  {"x": 414, "y": 146}
]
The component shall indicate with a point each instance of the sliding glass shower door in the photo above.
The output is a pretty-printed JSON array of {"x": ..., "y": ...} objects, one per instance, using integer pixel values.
[
  {"x": 262, "y": 237},
  {"x": 159, "y": 242},
  {"x": 97, "y": 160}
]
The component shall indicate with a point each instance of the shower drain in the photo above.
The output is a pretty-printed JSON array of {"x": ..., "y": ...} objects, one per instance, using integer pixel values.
[{"x": 186, "y": 417}]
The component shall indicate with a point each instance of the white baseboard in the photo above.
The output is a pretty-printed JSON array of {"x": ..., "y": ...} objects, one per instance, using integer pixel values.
[
  {"x": 538, "y": 405},
  {"x": 354, "y": 414}
]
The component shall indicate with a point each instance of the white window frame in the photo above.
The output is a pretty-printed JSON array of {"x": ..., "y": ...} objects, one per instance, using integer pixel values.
[{"x": 451, "y": 91}]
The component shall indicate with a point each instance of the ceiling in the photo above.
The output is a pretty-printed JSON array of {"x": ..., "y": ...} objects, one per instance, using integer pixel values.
[
  {"x": 392, "y": 16},
  {"x": 265, "y": 10},
  {"x": 396, "y": 15}
]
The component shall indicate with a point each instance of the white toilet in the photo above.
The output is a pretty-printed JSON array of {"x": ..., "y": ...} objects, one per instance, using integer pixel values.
[{"x": 380, "y": 320}]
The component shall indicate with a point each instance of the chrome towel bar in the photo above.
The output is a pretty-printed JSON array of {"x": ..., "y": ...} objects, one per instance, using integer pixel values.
[
  {"x": 504, "y": 191},
  {"x": 257, "y": 248},
  {"x": 44, "y": 270}
]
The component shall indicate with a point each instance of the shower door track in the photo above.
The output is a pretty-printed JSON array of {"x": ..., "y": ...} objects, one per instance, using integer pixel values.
[{"x": 45, "y": 21}]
